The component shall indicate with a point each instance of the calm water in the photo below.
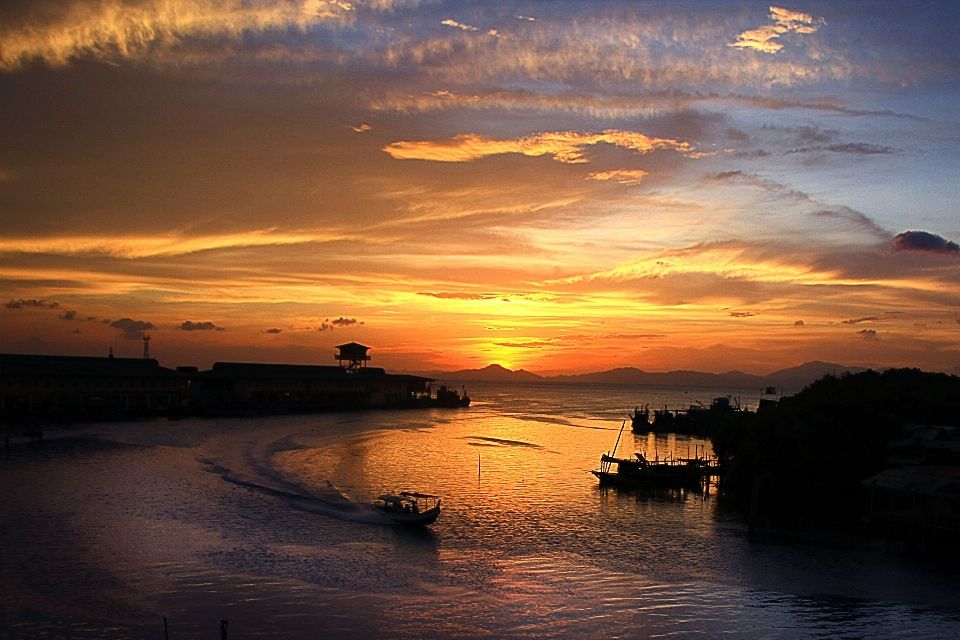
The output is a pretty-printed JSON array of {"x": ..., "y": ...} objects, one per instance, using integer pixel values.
[{"x": 265, "y": 523}]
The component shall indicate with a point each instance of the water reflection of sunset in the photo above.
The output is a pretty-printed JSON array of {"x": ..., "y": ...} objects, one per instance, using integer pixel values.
[{"x": 518, "y": 477}]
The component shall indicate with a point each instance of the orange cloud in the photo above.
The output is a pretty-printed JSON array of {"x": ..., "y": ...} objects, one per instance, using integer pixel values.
[
  {"x": 121, "y": 29},
  {"x": 159, "y": 245},
  {"x": 458, "y": 25},
  {"x": 623, "y": 176},
  {"x": 564, "y": 146},
  {"x": 785, "y": 21}
]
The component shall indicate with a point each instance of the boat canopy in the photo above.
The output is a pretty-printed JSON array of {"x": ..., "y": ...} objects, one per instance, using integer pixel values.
[
  {"x": 414, "y": 494},
  {"x": 405, "y": 496}
]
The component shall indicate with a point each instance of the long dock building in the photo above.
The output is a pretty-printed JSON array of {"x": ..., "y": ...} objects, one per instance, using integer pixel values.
[{"x": 90, "y": 388}]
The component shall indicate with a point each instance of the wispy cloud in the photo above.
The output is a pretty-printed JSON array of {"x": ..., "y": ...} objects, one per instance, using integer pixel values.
[
  {"x": 854, "y": 148},
  {"x": 856, "y": 218},
  {"x": 765, "y": 38},
  {"x": 458, "y": 295},
  {"x": 726, "y": 260},
  {"x": 860, "y": 148},
  {"x": 564, "y": 146},
  {"x": 33, "y": 302},
  {"x": 524, "y": 345},
  {"x": 114, "y": 29},
  {"x": 162, "y": 244},
  {"x": 614, "y": 106},
  {"x": 667, "y": 49},
  {"x": 851, "y": 216}
]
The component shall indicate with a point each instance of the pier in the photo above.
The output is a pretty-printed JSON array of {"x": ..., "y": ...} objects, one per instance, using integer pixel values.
[{"x": 69, "y": 388}]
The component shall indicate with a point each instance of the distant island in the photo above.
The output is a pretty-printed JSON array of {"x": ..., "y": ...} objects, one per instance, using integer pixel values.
[{"x": 787, "y": 380}]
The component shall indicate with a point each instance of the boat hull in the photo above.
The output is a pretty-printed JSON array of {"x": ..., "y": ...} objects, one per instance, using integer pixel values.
[
  {"x": 677, "y": 477},
  {"x": 414, "y": 519}
]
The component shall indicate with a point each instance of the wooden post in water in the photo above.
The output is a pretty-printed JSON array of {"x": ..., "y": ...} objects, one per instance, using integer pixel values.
[
  {"x": 166, "y": 635},
  {"x": 223, "y": 630}
]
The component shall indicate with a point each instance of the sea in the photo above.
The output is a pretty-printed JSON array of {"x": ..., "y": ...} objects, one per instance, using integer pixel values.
[{"x": 164, "y": 529}]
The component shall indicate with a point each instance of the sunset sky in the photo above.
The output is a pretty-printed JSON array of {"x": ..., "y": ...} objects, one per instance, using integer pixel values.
[{"x": 560, "y": 187}]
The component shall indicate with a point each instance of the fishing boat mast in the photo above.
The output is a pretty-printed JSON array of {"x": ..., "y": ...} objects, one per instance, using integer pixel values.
[{"x": 605, "y": 465}]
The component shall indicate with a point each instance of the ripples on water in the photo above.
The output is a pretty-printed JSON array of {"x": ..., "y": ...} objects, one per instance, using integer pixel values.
[{"x": 267, "y": 523}]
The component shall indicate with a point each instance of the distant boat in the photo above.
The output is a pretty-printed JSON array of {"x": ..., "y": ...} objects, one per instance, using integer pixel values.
[
  {"x": 449, "y": 398},
  {"x": 410, "y": 508},
  {"x": 697, "y": 418},
  {"x": 640, "y": 420},
  {"x": 768, "y": 398}
]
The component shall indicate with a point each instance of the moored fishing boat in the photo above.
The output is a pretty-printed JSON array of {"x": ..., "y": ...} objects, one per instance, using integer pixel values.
[
  {"x": 668, "y": 472},
  {"x": 409, "y": 507},
  {"x": 449, "y": 398},
  {"x": 638, "y": 471}
]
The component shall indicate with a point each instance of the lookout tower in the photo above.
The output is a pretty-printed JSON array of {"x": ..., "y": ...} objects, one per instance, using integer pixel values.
[{"x": 355, "y": 355}]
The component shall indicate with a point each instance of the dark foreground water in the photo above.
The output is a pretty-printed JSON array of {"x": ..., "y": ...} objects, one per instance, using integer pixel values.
[{"x": 265, "y": 523}]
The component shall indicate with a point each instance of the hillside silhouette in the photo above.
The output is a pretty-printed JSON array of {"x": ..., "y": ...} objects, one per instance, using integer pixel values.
[{"x": 788, "y": 380}]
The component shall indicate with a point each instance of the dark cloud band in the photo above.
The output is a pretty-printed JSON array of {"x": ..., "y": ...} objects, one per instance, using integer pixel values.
[{"x": 923, "y": 241}]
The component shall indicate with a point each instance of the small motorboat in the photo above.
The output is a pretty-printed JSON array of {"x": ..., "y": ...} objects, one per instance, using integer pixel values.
[{"x": 408, "y": 507}]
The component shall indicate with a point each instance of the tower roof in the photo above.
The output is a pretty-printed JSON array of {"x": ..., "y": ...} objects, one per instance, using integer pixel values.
[{"x": 352, "y": 346}]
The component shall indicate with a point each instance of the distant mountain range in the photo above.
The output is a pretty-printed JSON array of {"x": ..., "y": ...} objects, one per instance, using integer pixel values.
[{"x": 788, "y": 380}]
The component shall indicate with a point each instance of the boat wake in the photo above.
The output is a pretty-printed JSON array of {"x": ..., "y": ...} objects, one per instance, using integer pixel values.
[
  {"x": 250, "y": 463},
  {"x": 335, "y": 504}
]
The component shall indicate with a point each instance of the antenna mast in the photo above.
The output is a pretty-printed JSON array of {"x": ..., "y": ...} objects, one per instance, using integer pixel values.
[{"x": 146, "y": 346}]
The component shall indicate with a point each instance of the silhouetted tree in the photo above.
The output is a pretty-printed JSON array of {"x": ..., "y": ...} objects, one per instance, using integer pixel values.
[{"x": 813, "y": 449}]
